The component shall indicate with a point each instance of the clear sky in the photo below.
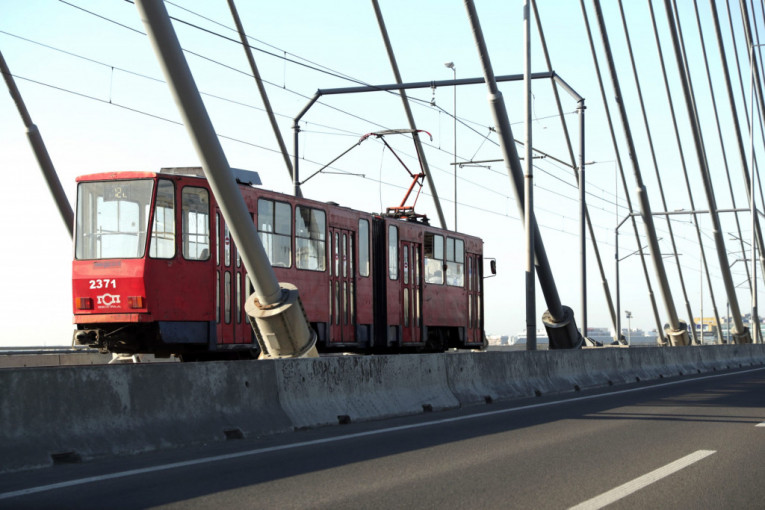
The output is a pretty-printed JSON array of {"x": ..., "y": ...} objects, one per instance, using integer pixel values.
[{"x": 93, "y": 87}]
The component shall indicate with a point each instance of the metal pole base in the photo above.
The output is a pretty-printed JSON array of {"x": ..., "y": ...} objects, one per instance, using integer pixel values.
[
  {"x": 741, "y": 338},
  {"x": 563, "y": 333},
  {"x": 678, "y": 337},
  {"x": 282, "y": 328}
]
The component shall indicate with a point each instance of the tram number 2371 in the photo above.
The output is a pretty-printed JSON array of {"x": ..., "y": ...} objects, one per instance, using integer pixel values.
[{"x": 103, "y": 284}]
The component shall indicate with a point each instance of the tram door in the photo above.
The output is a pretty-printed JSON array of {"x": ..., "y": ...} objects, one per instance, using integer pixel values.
[
  {"x": 230, "y": 291},
  {"x": 342, "y": 289},
  {"x": 474, "y": 283},
  {"x": 410, "y": 320}
]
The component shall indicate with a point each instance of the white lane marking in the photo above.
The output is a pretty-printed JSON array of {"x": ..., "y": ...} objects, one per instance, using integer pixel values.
[
  {"x": 217, "y": 458},
  {"x": 760, "y": 424},
  {"x": 639, "y": 483}
]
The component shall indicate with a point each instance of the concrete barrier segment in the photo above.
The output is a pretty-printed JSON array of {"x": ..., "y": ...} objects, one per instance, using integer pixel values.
[
  {"x": 480, "y": 377},
  {"x": 339, "y": 389},
  {"x": 88, "y": 412},
  {"x": 615, "y": 364},
  {"x": 568, "y": 370}
]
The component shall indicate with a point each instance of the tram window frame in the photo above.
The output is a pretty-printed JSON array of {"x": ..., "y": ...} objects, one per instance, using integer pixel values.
[
  {"x": 217, "y": 297},
  {"x": 238, "y": 292},
  {"x": 275, "y": 231},
  {"x": 195, "y": 223},
  {"x": 161, "y": 241},
  {"x": 217, "y": 239},
  {"x": 433, "y": 258},
  {"x": 227, "y": 244},
  {"x": 227, "y": 297},
  {"x": 393, "y": 252},
  {"x": 363, "y": 243},
  {"x": 310, "y": 239},
  {"x": 455, "y": 262},
  {"x": 113, "y": 219}
]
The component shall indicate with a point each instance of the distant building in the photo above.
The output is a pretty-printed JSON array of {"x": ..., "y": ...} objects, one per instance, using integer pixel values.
[{"x": 498, "y": 339}]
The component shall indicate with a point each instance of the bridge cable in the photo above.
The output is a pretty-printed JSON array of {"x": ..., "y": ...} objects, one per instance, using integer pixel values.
[
  {"x": 656, "y": 169},
  {"x": 725, "y": 159},
  {"x": 631, "y": 153},
  {"x": 593, "y": 240},
  {"x": 685, "y": 172},
  {"x": 742, "y": 334},
  {"x": 633, "y": 221}
]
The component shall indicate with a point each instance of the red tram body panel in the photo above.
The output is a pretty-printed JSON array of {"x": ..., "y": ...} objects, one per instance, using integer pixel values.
[{"x": 156, "y": 270}]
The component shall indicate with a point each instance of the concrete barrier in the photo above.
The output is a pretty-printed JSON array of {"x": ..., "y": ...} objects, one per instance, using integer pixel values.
[
  {"x": 478, "y": 377},
  {"x": 71, "y": 359},
  {"x": 68, "y": 414},
  {"x": 340, "y": 389},
  {"x": 53, "y": 360},
  {"x": 73, "y": 413}
]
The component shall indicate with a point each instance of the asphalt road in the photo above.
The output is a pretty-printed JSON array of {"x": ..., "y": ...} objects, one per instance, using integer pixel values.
[{"x": 692, "y": 442}]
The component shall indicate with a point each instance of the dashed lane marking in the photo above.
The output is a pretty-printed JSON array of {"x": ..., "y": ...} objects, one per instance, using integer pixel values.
[{"x": 643, "y": 481}]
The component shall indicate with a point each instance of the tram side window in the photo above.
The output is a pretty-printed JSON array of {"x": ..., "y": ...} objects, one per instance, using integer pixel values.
[
  {"x": 275, "y": 230},
  {"x": 392, "y": 252},
  {"x": 455, "y": 262},
  {"x": 163, "y": 229},
  {"x": 364, "y": 247},
  {"x": 434, "y": 258},
  {"x": 196, "y": 223},
  {"x": 310, "y": 239}
]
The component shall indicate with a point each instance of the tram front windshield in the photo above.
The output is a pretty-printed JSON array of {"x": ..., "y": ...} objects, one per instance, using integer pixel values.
[{"x": 113, "y": 219}]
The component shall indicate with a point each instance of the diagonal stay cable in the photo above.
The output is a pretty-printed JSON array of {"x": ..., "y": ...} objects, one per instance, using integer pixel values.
[
  {"x": 656, "y": 166},
  {"x": 724, "y": 154},
  {"x": 682, "y": 161},
  {"x": 633, "y": 221},
  {"x": 741, "y": 334},
  {"x": 675, "y": 330},
  {"x": 593, "y": 240}
]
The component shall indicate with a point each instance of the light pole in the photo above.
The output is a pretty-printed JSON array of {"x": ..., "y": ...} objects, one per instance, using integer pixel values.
[
  {"x": 629, "y": 326},
  {"x": 450, "y": 65}
]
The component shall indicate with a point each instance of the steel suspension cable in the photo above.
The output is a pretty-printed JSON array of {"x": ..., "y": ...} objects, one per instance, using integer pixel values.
[
  {"x": 739, "y": 138},
  {"x": 682, "y": 163},
  {"x": 718, "y": 241},
  {"x": 408, "y": 110},
  {"x": 745, "y": 166},
  {"x": 725, "y": 159},
  {"x": 603, "y": 279},
  {"x": 633, "y": 221},
  {"x": 758, "y": 87},
  {"x": 741, "y": 334},
  {"x": 741, "y": 87},
  {"x": 760, "y": 71},
  {"x": 656, "y": 168},
  {"x": 546, "y": 54},
  {"x": 676, "y": 331}
]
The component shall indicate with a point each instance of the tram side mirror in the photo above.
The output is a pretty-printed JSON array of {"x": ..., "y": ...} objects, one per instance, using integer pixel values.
[{"x": 492, "y": 268}]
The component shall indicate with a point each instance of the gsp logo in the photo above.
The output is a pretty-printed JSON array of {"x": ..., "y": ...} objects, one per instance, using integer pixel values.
[{"x": 108, "y": 301}]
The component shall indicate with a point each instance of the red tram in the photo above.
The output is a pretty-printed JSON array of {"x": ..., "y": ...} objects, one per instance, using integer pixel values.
[{"x": 156, "y": 271}]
